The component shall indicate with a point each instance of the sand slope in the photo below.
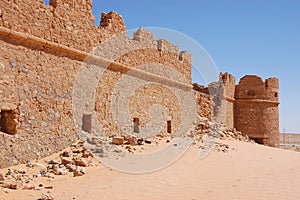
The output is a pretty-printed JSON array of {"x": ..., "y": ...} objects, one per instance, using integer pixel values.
[{"x": 247, "y": 171}]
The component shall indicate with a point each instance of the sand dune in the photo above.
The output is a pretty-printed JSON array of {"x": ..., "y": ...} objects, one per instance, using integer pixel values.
[{"x": 246, "y": 171}]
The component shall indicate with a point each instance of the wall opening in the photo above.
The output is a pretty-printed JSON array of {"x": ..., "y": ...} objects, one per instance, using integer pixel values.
[
  {"x": 136, "y": 125},
  {"x": 87, "y": 123},
  {"x": 169, "y": 126},
  {"x": 8, "y": 122},
  {"x": 159, "y": 45},
  {"x": 276, "y": 94},
  {"x": 259, "y": 140},
  {"x": 251, "y": 93},
  {"x": 180, "y": 57}
]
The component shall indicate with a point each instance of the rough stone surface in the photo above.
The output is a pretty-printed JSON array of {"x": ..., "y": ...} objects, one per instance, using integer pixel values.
[
  {"x": 118, "y": 140},
  {"x": 260, "y": 101},
  {"x": 251, "y": 106},
  {"x": 40, "y": 60}
]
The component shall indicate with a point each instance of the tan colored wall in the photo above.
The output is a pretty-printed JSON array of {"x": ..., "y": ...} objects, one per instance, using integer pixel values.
[
  {"x": 39, "y": 62},
  {"x": 40, "y": 59},
  {"x": 205, "y": 104},
  {"x": 39, "y": 84},
  {"x": 143, "y": 98},
  {"x": 256, "y": 109},
  {"x": 228, "y": 82},
  {"x": 68, "y": 22},
  {"x": 204, "y": 101}
]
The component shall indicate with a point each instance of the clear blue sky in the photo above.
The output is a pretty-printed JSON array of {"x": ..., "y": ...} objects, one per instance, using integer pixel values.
[{"x": 242, "y": 36}]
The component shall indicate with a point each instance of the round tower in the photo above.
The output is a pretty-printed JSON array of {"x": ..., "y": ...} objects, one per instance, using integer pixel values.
[{"x": 256, "y": 109}]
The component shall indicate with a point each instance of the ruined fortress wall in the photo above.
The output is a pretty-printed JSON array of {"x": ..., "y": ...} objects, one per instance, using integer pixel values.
[
  {"x": 256, "y": 109},
  {"x": 205, "y": 105},
  {"x": 39, "y": 85},
  {"x": 37, "y": 78},
  {"x": 66, "y": 22},
  {"x": 204, "y": 101},
  {"x": 164, "y": 63},
  {"x": 39, "y": 62},
  {"x": 228, "y": 82}
]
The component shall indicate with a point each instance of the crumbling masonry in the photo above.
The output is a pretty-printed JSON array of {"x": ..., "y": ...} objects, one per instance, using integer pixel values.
[{"x": 42, "y": 49}]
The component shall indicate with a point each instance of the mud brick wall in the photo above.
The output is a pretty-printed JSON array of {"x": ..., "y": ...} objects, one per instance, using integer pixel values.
[
  {"x": 43, "y": 48},
  {"x": 228, "y": 82},
  {"x": 205, "y": 103},
  {"x": 66, "y": 22},
  {"x": 256, "y": 109}
]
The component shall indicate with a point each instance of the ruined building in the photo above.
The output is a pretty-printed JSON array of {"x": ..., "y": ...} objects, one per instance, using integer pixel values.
[
  {"x": 252, "y": 107},
  {"x": 44, "y": 49}
]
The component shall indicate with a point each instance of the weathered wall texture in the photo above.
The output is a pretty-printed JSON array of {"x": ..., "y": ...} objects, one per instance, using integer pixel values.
[
  {"x": 66, "y": 22},
  {"x": 39, "y": 62},
  {"x": 228, "y": 82},
  {"x": 39, "y": 84},
  {"x": 256, "y": 109}
]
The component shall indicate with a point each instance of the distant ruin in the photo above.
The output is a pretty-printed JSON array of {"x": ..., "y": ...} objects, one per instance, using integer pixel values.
[{"x": 44, "y": 47}]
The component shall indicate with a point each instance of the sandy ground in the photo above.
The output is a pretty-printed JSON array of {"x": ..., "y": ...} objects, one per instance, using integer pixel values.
[{"x": 246, "y": 171}]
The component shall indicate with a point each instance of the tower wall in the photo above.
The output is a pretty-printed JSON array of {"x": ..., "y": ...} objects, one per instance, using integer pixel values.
[{"x": 256, "y": 109}]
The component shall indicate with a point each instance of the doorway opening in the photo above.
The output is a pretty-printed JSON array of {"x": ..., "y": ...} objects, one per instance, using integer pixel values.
[
  {"x": 259, "y": 140},
  {"x": 136, "y": 125},
  {"x": 169, "y": 126},
  {"x": 8, "y": 122},
  {"x": 87, "y": 123}
]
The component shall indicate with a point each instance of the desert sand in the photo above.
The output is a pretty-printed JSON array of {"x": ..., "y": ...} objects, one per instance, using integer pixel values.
[{"x": 246, "y": 171}]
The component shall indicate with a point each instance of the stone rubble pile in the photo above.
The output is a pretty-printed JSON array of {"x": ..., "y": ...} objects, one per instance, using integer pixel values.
[
  {"x": 232, "y": 133},
  {"x": 130, "y": 140},
  {"x": 46, "y": 196},
  {"x": 74, "y": 160},
  {"x": 217, "y": 132}
]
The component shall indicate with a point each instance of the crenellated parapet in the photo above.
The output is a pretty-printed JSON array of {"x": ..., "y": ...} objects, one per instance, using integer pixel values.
[
  {"x": 256, "y": 111},
  {"x": 253, "y": 87},
  {"x": 228, "y": 82},
  {"x": 251, "y": 106},
  {"x": 66, "y": 22},
  {"x": 43, "y": 48},
  {"x": 83, "y": 5},
  {"x": 143, "y": 35}
]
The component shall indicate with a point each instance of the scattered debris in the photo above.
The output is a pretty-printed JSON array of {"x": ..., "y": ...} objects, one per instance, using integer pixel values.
[
  {"x": 70, "y": 161},
  {"x": 49, "y": 187},
  {"x": 140, "y": 141},
  {"x": 148, "y": 142},
  {"x": 53, "y": 161},
  {"x": 80, "y": 171},
  {"x": 47, "y": 196},
  {"x": 118, "y": 140}
]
